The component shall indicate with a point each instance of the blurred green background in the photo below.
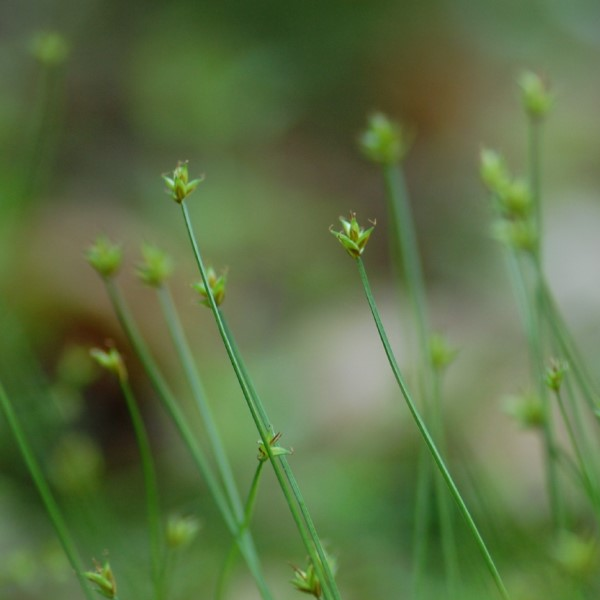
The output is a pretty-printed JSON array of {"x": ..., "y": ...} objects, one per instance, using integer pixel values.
[{"x": 267, "y": 99}]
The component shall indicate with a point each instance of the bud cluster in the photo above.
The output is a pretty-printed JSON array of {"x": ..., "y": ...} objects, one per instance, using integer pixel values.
[
  {"x": 216, "y": 283},
  {"x": 514, "y": 203},
  {"x": 353, "y": 237},
  {"x": 102, "y": 577},
  {"x": 384, "y": 141},
  {"x": 178, "y": 185}
]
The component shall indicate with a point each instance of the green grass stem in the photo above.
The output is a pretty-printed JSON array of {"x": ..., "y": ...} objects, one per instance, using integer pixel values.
[
  {"x": 430, "y": 443},
  {"x": 405, "y": 252},
  {"x": 248, "y": 512},
  {"x": 150, "y": 485},
  {"x": 185, "y": 356},
  {"x": 281, "y": 468},
  {"x": 54, "y": 512}
]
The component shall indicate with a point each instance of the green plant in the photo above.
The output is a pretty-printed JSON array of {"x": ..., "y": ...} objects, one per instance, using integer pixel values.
[{"x": 562, "y": 407}]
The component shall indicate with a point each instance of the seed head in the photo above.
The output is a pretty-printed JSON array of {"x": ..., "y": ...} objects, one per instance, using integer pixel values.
[
  {"x": 353, "y": 237},
  {"x": 178, "y": 185}
]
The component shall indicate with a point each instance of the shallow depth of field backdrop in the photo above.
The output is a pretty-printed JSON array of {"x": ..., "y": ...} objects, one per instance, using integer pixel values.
[{"x": 267, "y": 99}]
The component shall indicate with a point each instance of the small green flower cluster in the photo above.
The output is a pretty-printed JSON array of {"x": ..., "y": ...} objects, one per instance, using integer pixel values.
[
  {"x": 353, "y": 237},
  {"x": 513, "y": 201},
  {"x": 307, "y": 581},
  {"x": 178, "y": 185},
  {"x": 104, "y": 580},
  {"x": 216, "y": 283},
  {"x": 384, "y": 142},
  {"x": 536, "y": 97},
  {"x": 154, "y": 269}
]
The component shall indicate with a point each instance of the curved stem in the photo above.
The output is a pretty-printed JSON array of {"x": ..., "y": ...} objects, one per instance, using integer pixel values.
[
  {"x": 187, "y": 362},
  {"x": 281, "y": 468},
  {"x": 248, "y": 511},
  {"x": 150, "y": 484},
  {"x": 439, "y": 461},
  {"x": 406, "y": 254},
  {"x": 58, "y": 522}
]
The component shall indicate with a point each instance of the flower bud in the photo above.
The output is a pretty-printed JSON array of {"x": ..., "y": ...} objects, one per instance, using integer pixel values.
[
  {"x": 527, "y": 410},
  {"x": 178, "y": 185},
  {"x": 111, "y": 360},
  {"x": 276, "y": 450},
  {"x": 384, "y": 141},
  {"x": 155, "y": 267},
  {"x": 353, "y": 237},
  {"x": 515, "y": 200},
  {"x": 181, "y": 530},
  {"x": 555, "y": 374},
  {"x": 50, "y": 48},
  {"x": 104, "y": 580},
  {"x": 493, "y": 171},
  {"x": 442, "y": 354},
  {"x": 307, "y": 581},
  {"x": 217, "y": 287},
  {"x": 536, "y": 97},
  {"x": 105, "y": 257},
  {"x": 519, "y": 235}
]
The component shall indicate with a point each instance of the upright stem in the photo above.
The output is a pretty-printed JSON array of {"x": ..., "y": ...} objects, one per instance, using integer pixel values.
[
  {"x": 439, "y": 461},
  {"x": 60, "y": 526},
  {"x": 281, "y": 468},
  {"x": 149, "y": 474},
  {"x": 185, "y": 356},
  {"x": 406, "y": 253},
  {"x": 248, "y": 511}
]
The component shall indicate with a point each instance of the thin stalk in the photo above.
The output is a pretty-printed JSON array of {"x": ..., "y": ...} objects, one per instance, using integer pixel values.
[
  {"x": 534, "y": 318},
  {"x": 422, "y": 512},
  {"x": 281, "y": 468},
  {"x": 248, "y": 511},
  {"x": 150, "y": 484},
  {"x": 589, "y": 484},
  {"x": 444, "y": 507},
  {"x": 568, "y": 348},
  {"x": 537, "y": 313},
  {"x": 406, "y": 253},
  {"x": 535, "y": 181},
  {"x": 170, "y": 405},
  {"x": 58, "y": 522},
  {"x": 187, "y": 362},
  {"x": 439, "y": 461}
]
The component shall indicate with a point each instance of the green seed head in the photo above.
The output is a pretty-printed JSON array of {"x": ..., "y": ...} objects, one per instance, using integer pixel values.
[
  {"x": 50, "y": 48},
  {"x": 536, "y": 97},
  {"x": 111, "y": 360},
  {"x": 515, "y": 200},
  {"x": 493, "y": 171},
  {"x": 178, "y": 185},
  {"x": 105, "y": 256},
  {"x": 276, "y": 450},
  {"x": 555, "y": 374},
  {"x": 442, "y": 354},
  {"x": 527, "y": 410},
  {"x": 384, "y": 141},
  {"x": 102, "y": 577},
  {"x": 307, "y": 581},
  {"x": 352, "y": 237},
  {"x": 576, "y": 555},
  {"x": 155, "y": 266},
  {"x": 520, "y": 235},
  {"x": 181, "y": 530},
  {"x": 216, "y": 283}
]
